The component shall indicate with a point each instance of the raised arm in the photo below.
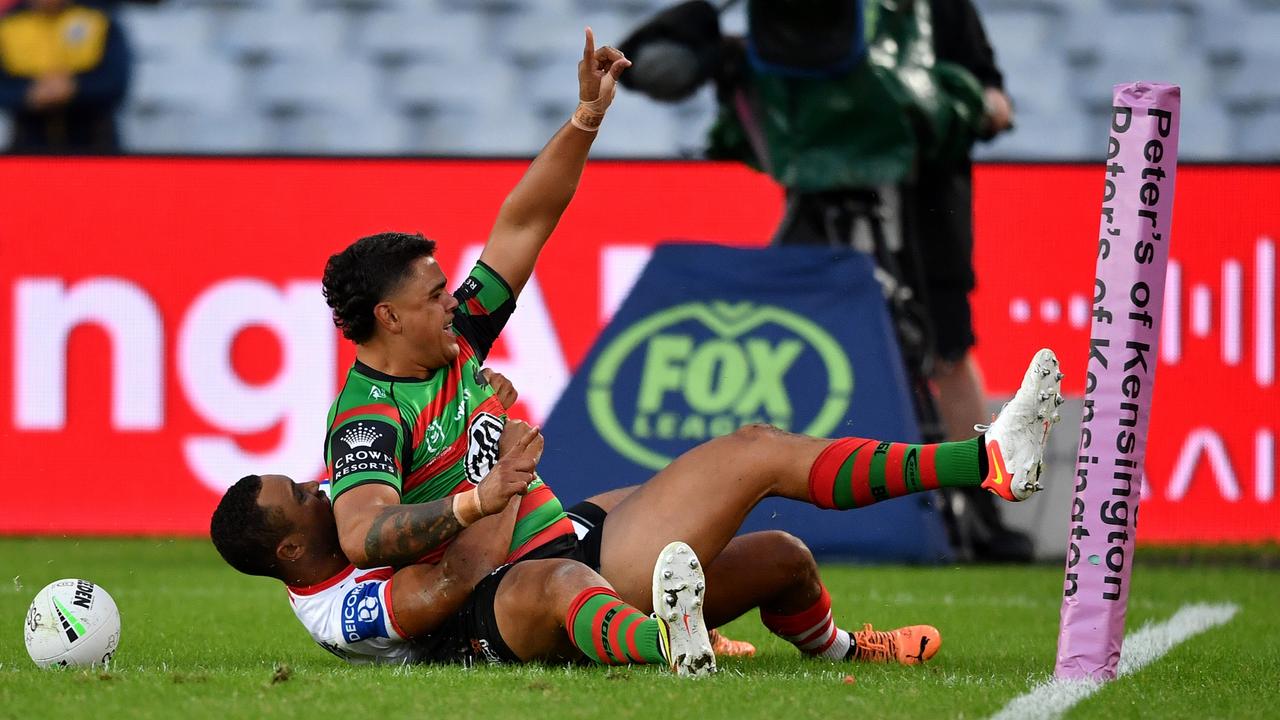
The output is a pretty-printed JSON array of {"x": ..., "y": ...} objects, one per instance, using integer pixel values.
[
  {"x": 532, "y": 210},
  {"x": 375, "y": 530}
]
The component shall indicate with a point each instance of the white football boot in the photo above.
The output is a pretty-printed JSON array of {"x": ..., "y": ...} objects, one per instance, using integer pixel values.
[
  {"x": 678, "y": 590},
  {"x": 1017, "y": 437}
]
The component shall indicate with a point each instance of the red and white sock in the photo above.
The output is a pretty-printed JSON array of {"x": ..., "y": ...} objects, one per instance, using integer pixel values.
[{"x": 812, "y": 631}]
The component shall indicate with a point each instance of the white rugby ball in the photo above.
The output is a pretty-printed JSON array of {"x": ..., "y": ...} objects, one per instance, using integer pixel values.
[{"x": 72, "y": 623}]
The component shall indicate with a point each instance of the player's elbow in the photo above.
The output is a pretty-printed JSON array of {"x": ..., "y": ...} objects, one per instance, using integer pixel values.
[
  {"x": 357, "y": 553},
  {"x": 353, "y": 537}
]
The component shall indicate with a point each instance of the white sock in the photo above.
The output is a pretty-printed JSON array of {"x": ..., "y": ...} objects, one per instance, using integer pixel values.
[{"x": 839, "y": 648}]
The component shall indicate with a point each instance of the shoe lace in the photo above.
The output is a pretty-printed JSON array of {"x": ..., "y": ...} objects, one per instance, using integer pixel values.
[{"x": 876, "y": 645}]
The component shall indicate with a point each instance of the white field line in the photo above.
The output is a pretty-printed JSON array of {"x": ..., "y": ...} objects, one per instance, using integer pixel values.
[{"x": 1052, "y": 699}]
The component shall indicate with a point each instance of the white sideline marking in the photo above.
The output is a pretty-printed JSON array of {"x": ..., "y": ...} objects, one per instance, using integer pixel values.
[{"x": 1053, "y": 698}]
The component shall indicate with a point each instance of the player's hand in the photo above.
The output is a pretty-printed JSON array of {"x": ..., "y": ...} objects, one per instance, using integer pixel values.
[
  {"x": 517, "y": 432},
  {"x": 598, "y": 73},
  {"x": 515, "y": 467},
  {"x": 502, "y": 387}
]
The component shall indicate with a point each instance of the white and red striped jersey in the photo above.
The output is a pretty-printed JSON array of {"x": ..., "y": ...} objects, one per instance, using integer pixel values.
[{"x": 350, "y": 616}]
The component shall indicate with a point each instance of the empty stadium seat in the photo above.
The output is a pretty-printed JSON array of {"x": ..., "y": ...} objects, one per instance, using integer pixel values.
[
  {"x": 1064, "y": 133},
  {"x": 461, "y": 37},
  {"x": 637, "y": 129},
  {"x": 1189, "y": 70},
  {"x": 1205, "y": 132},
  {"x": 1019, "y": 37},
  {"x": 1254, "y": 80},
  {"x": 551, "y": 88},
  {"x": 1257, "y": 137},
  {"x": 198, "y": 84},
  {"x": 429, "y": 85},
  {"x": 259, "y": 34},
  {"x": 191, "y": 130},
  {"x": 395, "y": 37},
  {"x": 434, "y": 67},
  {"x": 291, "y": 83},
  {"x": 540, "y": 36},
  {"x": 1041, "y": 87},
  {"x": 157, "y": 33},
  {"x": 1096, "y": 31},
  {"x": 458, "y": 130},
  {"x": 342, "y": 131}
]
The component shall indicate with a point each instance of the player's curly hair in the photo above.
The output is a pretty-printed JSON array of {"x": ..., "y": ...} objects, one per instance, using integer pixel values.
[
  {"x": 360, "y": 277},
  {"x": 246, "y": 534}
]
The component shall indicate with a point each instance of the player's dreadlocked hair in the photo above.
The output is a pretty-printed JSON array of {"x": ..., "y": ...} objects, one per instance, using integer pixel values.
[
  {"x": 360, "y": 277},
  {"x": 245, "y": 534}
]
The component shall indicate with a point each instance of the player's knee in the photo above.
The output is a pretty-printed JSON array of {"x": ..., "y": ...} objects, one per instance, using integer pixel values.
[
  {"x": 791, "y": 556},
  {"x": 566, "y": 578},
  {"x": 757, "y": 433}
]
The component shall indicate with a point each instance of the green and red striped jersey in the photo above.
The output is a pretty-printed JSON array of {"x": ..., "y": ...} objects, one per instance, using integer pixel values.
[{"x": 433, "y": 437}]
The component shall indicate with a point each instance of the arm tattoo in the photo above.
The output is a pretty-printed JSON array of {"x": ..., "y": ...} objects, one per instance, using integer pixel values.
[{"x": 402, "y": 534}]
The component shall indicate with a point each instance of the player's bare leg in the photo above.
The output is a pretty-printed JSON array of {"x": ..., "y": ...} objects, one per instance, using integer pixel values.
[
  {"x": 704, "y": 496},
  {"x": 559, "y": 609},
  {"x": 739, "y": 582}
]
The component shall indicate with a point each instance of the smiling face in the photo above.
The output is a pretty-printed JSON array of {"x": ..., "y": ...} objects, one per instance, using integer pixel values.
[{"x": 420, "y": 312}]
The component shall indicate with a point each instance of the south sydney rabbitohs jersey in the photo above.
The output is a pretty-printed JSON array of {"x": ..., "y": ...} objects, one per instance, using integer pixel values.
[
  {"x": 350, "y": 616},
  {"x": 434, "y": 437}
]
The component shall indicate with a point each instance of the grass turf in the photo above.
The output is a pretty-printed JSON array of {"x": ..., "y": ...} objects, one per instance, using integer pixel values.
[{"x": 201, "y": 641}]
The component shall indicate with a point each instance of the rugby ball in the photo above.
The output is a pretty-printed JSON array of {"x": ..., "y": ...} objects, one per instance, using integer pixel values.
[{"x": 72, "y": 623}]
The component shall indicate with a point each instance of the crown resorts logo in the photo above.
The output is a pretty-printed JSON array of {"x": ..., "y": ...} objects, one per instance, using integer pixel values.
[
  {"x": 708, "y": 368},
  {"x": 360, "y": 435}
]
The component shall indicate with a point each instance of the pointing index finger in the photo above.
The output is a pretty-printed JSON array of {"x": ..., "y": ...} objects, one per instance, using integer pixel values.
[
  {"x": 523, "y": 443},
  {"x": 589, "y": 52}
]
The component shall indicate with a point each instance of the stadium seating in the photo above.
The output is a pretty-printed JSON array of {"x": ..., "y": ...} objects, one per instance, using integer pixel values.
[{"x": 299, "y": 75}]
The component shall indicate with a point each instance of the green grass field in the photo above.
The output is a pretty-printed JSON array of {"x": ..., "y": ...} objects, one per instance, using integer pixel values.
[{"x": 201, "y": 641}]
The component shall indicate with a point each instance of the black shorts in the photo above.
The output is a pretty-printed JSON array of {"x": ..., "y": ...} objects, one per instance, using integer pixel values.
[
  {"x": 588, "y": 522},
  {"x": 471, "y": 636}
]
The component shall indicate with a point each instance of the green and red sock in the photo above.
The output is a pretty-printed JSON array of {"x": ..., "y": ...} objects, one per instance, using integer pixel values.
[
  {"x": 611, "y": 632},
  {"x": 856, "y": 472}
]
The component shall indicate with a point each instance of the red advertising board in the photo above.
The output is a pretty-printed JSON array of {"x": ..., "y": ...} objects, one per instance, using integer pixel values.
[{"x": 166, "y": 331}]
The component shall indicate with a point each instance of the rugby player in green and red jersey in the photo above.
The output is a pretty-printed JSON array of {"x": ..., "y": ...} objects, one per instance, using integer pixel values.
[
  {"x": 414, "y": 434},
  {"x": 415, "y": 423}
]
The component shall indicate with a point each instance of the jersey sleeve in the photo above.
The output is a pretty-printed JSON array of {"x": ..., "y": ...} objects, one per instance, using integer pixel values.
[
  {"x": 363, "y": 448},
  {"x": 485, "y": 303},
  {"x": 360, "y": 627}
]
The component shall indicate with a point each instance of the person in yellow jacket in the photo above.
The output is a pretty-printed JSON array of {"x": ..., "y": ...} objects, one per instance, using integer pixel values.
[{"x": 64, "y": 70}]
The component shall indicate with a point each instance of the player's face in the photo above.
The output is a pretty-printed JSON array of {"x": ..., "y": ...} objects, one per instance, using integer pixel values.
[
  {"x": 424, "y": 307},
  {"x": 305, "y": 508}
]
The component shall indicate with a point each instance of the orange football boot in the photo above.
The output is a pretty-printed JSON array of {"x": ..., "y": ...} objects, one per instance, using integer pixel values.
[{"x": 910, "y": 645}]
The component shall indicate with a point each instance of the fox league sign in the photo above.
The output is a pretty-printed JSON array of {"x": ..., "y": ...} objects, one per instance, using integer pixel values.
[{"x": 713, "y": 338}]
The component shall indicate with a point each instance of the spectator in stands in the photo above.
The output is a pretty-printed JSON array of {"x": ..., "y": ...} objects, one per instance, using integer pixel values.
[{"x": 64, "y": 69}]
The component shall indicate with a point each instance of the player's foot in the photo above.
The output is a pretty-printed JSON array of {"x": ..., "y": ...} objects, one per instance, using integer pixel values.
[
  {"x": 728, "y": 647},
  {"x": 1017, "y": 438},
  {"x": 909, "y": 645},
  {"x": 678, "y": 590}
]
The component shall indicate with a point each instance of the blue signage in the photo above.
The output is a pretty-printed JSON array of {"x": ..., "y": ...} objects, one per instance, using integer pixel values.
[{"x": 712, "y": 338}]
